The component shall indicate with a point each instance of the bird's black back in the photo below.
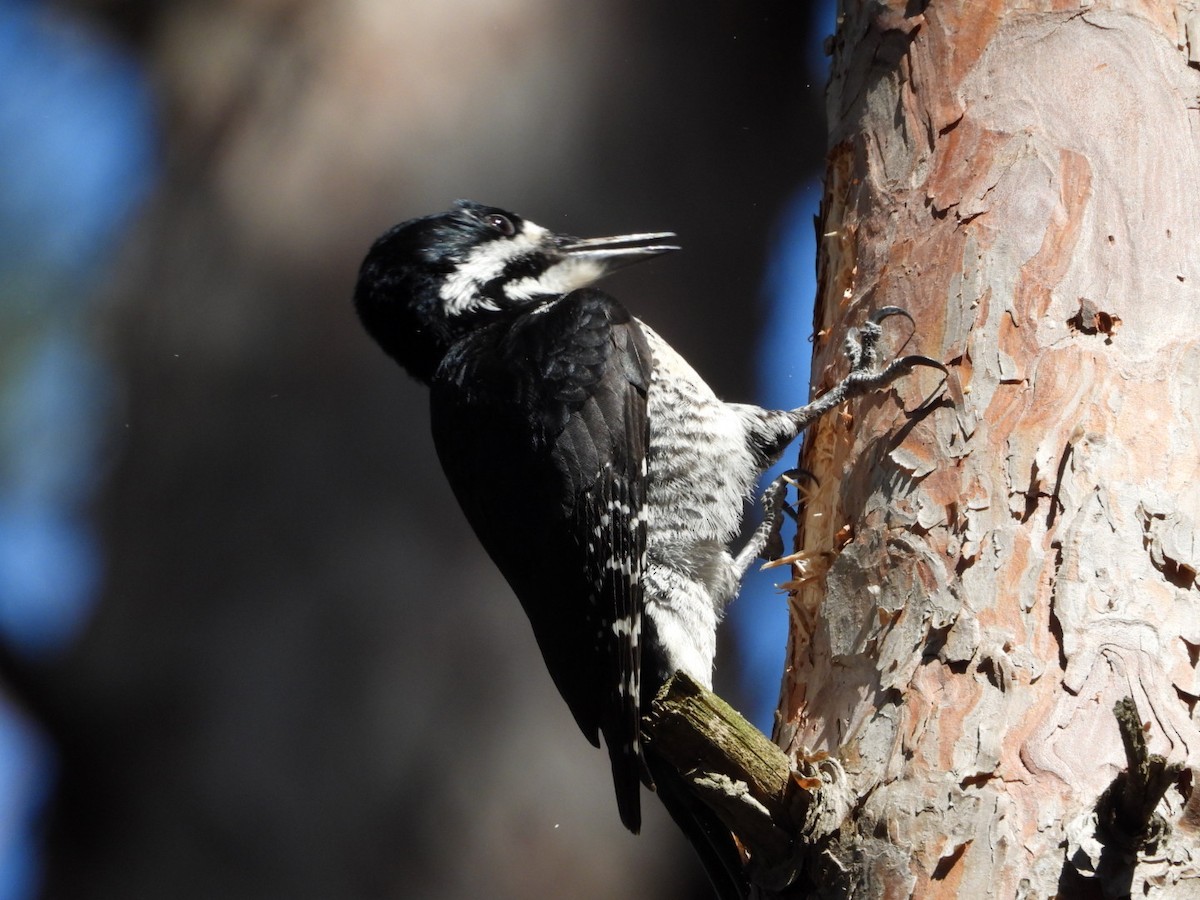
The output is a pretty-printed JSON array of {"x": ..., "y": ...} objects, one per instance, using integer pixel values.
[{"x": 540, "y": 423}]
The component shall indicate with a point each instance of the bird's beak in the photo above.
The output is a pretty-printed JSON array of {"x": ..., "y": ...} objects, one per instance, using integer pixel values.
[{"x": 612, "y": 252}]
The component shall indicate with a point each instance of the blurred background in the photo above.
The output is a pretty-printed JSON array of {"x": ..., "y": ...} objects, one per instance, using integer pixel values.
[{"x": 250, "y": 647}]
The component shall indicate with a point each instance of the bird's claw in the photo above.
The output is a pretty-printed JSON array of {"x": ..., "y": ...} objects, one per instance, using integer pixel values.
[
  {"x": 911, "y": 362},
  {"x": 887, "y": 312}
]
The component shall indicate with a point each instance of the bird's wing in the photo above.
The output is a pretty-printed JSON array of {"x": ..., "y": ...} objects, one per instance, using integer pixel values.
[{"x": 542, "y": 429}]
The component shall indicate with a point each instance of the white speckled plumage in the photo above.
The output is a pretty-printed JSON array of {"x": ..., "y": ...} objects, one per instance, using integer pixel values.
[{"x": 691, "y": 575}]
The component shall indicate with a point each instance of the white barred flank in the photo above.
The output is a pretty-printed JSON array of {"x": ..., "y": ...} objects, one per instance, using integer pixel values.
[{"x": 701, "y": 468}]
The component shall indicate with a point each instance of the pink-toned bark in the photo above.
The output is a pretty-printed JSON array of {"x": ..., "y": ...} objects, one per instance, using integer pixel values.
[{"x": 982, "y": 582}]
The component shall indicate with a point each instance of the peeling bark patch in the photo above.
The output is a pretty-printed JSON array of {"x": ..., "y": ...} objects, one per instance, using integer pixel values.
[
  {"x": 1033, "y": 495},
  {"x": 990, "y": 668},
  {"x": 1173, "y": 544},
  {"x": 1056, "y": 504},
  {"x": 1193, "y": 651},
  {"x": 977, "y": 780},
  {"x": 1056, "y": 628},
  {"x": 935, "y": 642},
  {"x": 1190, "y": 819},
  {"x": 947, "y": 863},
  {"x": 1188, "y": 701},
  {"x": 962, "y": 176},
  {"x": 954, "y": 39},
  {"x": 1191, "y": 35}
]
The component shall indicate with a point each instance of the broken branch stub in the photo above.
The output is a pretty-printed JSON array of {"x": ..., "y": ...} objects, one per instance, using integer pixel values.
[{"x": 772, "y": 807}]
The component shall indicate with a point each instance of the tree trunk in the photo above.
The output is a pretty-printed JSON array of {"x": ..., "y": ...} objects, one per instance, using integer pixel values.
[{"x": 985, "y": 578}]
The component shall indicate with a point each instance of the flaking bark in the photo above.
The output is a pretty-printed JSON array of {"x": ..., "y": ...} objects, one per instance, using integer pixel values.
[{"x": 993, "y": 576}]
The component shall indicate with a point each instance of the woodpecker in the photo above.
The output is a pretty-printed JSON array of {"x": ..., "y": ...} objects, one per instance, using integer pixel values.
[{"x": 602, "y": 475}]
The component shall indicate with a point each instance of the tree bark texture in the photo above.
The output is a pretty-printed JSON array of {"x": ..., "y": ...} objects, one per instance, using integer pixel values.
[{"x": 981, "y": 581}]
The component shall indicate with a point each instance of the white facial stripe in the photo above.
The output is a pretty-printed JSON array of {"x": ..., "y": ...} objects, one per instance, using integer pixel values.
[
  {"x": 561, "y": 278},
  {"x": 460, "y": 293}
]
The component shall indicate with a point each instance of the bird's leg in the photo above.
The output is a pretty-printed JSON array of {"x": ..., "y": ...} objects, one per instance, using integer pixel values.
[
  {"x": 861, "y": 351},
  {"x": 767, "y": 540}
]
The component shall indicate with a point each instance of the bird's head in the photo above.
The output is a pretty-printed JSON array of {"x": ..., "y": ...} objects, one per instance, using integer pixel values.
[{"x": 429, "y": 281}]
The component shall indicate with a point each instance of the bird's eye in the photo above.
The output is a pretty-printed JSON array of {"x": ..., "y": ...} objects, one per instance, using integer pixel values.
[{"x": 501, "y": 223}]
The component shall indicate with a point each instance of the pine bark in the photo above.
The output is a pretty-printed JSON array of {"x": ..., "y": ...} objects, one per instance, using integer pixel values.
[{"x": 986, "y": 574}]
